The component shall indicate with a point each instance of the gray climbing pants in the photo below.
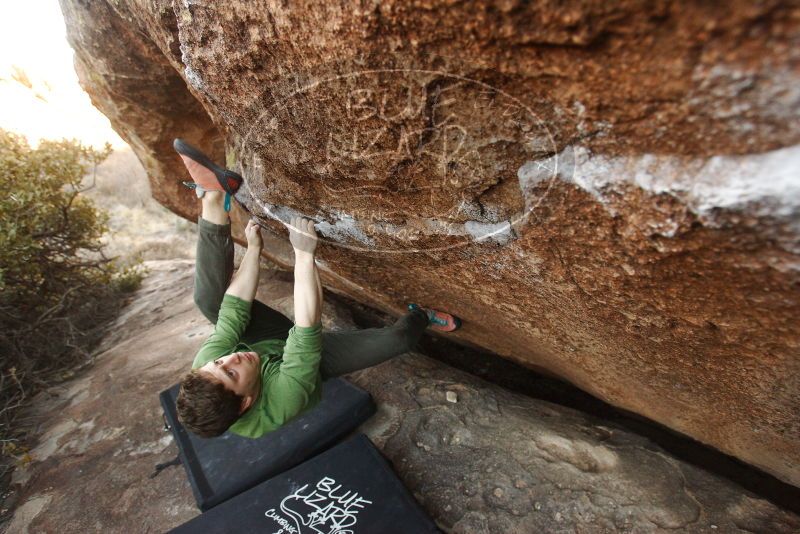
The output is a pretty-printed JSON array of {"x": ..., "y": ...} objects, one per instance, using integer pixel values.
[{"x": 342, "y": 352}]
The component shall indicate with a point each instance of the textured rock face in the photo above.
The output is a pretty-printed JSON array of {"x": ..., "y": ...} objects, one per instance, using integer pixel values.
[
  {"x": 479, "y": 459},
  {"x": 606, "y": 191}
]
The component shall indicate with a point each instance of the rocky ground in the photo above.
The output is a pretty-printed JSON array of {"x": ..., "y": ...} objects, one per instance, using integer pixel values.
[{"x": 480, "y": 459}]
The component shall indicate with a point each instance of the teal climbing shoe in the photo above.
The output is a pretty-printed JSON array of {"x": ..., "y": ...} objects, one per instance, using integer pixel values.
[{"x": 438, "y": 320}]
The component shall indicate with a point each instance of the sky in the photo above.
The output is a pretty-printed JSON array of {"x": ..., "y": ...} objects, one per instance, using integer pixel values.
[{"x": 33, "y": 41}]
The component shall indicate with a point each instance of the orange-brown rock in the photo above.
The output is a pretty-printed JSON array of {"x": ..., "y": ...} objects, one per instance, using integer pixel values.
[{"x": 608, "y": 191}]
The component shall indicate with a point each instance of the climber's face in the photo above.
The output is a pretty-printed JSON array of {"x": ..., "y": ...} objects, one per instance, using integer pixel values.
[{"x": 239, "y": 372}]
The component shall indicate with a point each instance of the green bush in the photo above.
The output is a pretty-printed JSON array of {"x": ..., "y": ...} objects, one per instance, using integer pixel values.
[{"x": 57, "y": 288}]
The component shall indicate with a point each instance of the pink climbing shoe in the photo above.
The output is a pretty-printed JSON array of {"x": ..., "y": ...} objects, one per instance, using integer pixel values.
[
  {"x": 438, "y": 320},
  {"x": 206, "y": 175}
]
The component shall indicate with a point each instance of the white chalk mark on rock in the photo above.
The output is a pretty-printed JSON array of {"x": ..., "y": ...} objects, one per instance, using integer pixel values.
[{"x": 771, "y": 180}]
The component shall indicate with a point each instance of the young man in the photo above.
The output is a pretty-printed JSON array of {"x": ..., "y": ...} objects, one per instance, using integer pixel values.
[{"x": 257, "y": 370}]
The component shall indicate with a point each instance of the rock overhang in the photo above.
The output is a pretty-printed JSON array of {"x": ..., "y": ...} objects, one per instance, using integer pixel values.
[{"x": 607, "y": 191}]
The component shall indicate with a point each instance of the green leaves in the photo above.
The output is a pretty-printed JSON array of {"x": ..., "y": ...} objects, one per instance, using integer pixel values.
[
  {"x": 47, "y": 230},
  {"x": 57, "y": 288}
]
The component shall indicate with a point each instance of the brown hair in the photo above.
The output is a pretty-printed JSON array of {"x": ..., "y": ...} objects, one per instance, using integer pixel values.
[{"x": 205, "y": 406}]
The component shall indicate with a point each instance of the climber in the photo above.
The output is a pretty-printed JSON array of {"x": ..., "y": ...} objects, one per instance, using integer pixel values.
[{"x": 258, "y": 370}]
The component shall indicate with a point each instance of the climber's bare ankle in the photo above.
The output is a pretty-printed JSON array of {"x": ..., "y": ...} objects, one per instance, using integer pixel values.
[{"x": 214, "y": 207}]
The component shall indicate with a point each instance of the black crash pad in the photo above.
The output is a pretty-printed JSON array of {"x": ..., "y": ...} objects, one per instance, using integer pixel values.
[
  {"x": 222, "y": 467},
  {"x": 349, "y": 489}
]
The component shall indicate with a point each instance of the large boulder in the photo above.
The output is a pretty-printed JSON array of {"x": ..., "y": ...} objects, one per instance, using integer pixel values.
[{"x": 608, "y": 192}]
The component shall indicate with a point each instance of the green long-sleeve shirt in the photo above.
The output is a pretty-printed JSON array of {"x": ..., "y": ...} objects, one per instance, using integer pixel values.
[{"x": 290, "y": 378}]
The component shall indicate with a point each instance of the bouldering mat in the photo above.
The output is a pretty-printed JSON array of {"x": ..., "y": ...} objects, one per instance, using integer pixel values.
[
  {"x": 222, "y": 467},
  {"x": 348, "y": 489}
]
